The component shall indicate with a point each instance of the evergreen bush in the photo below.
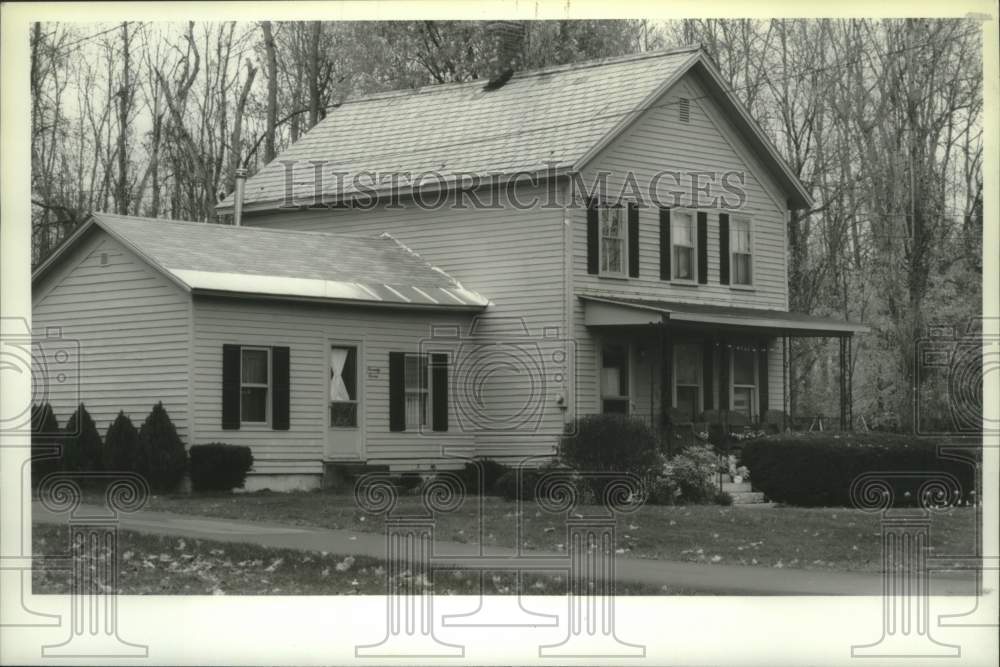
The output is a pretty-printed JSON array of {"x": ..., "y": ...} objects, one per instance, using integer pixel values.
[
  {"x": 45, "y": 436},
  {"x": 219, "y": 467},
  {"x": 121, "y": 445},
  {"x": 82, "y": 448},
  {"x": 162, "y": 458}
]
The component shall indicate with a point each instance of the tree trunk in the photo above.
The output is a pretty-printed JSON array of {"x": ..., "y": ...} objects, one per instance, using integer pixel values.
[{"x": 272, "y": 92}]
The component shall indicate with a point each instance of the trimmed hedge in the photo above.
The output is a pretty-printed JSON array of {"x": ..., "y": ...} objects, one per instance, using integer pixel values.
[
  {"x": 818, "y": 469},
  {"x": 219, "y": 467},
  {"x": 492, "y": 471}
]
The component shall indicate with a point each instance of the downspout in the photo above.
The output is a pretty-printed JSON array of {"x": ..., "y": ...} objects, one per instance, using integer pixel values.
[
  {"x": 569, "y": 301},
  {"x": 241, "y": 181}
]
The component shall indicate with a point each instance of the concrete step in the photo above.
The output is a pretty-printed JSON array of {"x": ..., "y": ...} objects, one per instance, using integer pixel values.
[
  {"x": 733, "y": 487},
  {"x": 747, "y": 498}
]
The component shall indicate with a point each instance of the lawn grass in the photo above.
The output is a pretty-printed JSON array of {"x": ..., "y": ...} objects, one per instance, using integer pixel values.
[
  {"x": 159, "y": 565},
  {"x": 841, "y": 539}
]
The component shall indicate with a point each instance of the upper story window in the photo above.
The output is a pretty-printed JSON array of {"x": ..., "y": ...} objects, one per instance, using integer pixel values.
[
  {"x": 683, "y": 241},
  {"x": 614, "y": 249},
  {"x": 742, "y": 252},
  {"x": 254, "y": 384}
]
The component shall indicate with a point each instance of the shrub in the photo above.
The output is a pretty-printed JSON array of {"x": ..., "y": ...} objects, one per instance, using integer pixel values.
[
  {"x": 507, "y": 484},
  {"x": 817, "y": 469},
  {"x": 491, "y": 472},
  {"x": 121, "y": 445},
  {"x": 723, "y": 498},
  {"x": 44, "y": 436},
  {"x": 610, "y": 443},
  {"x": 661, "y": 490},
  {"x": 82, "y": 449},
  {"x": 693, "y": 472},
  {"x": 219, "y": 467},
  {"x": 162, "y": 457}
]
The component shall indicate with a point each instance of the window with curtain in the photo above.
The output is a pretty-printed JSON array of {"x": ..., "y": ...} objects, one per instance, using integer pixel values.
[
  {"x": 416, "y": 382},
  {"x": 343, "y": 386},
  {"x": 613, "y": 246},
  {"x": 687, "y": 378},
  {"x": 742, "y": 254},
  {"x": 614, "y": 379},
  {"x": 744, "y": 381},
  {"x": 683, "y": 240},
  {"x": 254, "y": 384}
]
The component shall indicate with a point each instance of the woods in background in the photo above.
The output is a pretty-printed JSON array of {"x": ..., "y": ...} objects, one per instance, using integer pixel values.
[{"x": 882, "y": 121}]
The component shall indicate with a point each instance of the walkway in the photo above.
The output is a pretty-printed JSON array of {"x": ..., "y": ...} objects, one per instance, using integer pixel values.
[{"x": 724, "y": 579}]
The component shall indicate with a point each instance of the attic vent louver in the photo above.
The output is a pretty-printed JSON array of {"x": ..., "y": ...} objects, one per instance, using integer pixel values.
[{"x": 684, "y": 110}]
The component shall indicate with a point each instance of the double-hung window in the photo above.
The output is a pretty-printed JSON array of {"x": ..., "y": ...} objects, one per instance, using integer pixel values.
[
  {"x": 742, "y": 252},
  {"x": 683, "y": 241},
  {"x": 687, "y": 378},
  {"x": 613, "y": 245},
  {"x": 614, "y": 379},
  {"x": 418, "y": 390},
  {"x": 255, "y": 382},
  {"x": 745, "y": 382}
]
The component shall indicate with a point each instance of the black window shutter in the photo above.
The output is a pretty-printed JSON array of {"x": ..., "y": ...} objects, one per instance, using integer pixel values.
[
  {"x": 439, "y": 391},
  {"x": 702, "y": 247},
  {"x": 664, "y": 244},
  {"x": 397, "y": 392},
  {"x": 281, "y": 388},
  {"x": 708, "y": 347},
  {"x": 593, "y": 263},
  {"x": 762, "y": 377},
  {"x": 724, "y": 376},
  {"x": 230, "y": 387},
  {"x": 724, "y": 248},
  {"x": 633, "y": 240}
]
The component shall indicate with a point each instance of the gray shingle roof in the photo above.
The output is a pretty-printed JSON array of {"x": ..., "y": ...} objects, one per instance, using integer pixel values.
[
  {"x": 539, "y": 120},
  {"x": 212, "y": 257}
]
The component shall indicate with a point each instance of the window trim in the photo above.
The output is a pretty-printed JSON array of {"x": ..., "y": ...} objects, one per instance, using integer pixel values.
[
  {"x": 755, "y": 398},
  {"x": 428, "y": 416},
  {"x": 733, "y": 218},
  {"x": 693, "y": 213},
  {"x": 701, "y": 376},
  {"x": 623, "y": 218},
  {"x": 268, "y": 387}
]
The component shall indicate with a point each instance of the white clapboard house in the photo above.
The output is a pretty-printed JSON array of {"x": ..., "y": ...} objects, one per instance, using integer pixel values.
[{"x": 346, "y": 322}]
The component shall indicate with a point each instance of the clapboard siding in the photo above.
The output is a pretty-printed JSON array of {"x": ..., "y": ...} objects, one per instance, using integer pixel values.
[
  {"x": 512, "y": 256},
  {"x": 307, "y": 330},
  {"x": 659, "y": 141},
  {"x": 132, "y": 327}
]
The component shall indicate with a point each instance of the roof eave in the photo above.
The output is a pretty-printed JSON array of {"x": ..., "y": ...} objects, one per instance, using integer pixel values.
[
  {"x": 226, "y": 206},
  {"x": 394, "y": 305}
]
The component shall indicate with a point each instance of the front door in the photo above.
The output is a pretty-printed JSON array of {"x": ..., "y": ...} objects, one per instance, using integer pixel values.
[{"x": 345, "y": 409}]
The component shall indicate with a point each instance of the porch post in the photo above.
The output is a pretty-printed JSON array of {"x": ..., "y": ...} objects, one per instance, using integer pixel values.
[
  {"x": 666, "y": 379},
  {"x": 791, "y": 382},
  {"x": 843, "y": 383},
  {"x": 850, "y": 382},
  {"x": 786, "y": 423}
]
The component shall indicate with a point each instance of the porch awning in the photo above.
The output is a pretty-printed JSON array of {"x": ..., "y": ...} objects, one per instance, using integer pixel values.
[{"x": 605, "y": 311}]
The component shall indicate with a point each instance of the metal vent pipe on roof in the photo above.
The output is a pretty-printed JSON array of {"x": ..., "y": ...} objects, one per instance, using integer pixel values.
[{"x": 241, "y": 181}]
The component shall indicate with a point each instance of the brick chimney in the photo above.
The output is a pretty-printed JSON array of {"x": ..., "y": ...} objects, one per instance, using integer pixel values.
[{"x": 506, "y": 42}]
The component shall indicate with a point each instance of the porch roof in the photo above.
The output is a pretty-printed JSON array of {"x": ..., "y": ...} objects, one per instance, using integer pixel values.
[{"x": 603, "y": 311}]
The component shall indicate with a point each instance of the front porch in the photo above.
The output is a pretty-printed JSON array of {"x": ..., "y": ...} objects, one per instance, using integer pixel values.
[{"x": 692, "y": 369}]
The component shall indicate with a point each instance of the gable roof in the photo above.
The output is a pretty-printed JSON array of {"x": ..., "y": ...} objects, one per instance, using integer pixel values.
[
  {"x": 543, "y": 121},
  {"x": 212, "y": 258}
]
